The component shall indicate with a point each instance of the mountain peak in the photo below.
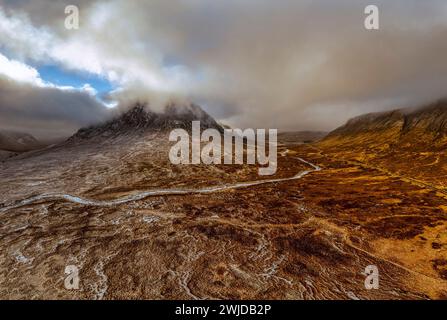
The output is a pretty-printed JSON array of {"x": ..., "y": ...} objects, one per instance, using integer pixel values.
[{"x": 141, "y": 118}]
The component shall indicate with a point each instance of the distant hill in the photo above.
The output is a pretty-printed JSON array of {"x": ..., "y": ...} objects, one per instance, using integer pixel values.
[
  {"x": 291, "y": 137},
  {"x": 12, "y": 141}
]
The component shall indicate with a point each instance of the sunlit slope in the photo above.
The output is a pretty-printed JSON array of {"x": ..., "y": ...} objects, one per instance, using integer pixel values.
[{"x": 407, "y": 142}]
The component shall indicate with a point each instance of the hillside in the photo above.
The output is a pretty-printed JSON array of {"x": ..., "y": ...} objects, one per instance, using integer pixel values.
[
  {"x": 140, "y": 119},
  {"x": 408, "y": 142},
  {"x": 17, "y": 141}
]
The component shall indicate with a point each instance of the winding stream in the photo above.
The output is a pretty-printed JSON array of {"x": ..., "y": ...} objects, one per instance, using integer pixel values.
[{"x": 157, "y": 192}]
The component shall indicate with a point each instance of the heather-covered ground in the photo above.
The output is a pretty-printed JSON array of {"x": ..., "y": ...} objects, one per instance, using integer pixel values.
[{"x": 306, "y": 238}]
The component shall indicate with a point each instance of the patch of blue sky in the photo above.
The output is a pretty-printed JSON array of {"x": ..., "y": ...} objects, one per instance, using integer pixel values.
[{"x": 61, "y": 77}]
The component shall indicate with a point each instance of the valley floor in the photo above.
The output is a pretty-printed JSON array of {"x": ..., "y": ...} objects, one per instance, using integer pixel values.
[{"x": 305, "y": 238}]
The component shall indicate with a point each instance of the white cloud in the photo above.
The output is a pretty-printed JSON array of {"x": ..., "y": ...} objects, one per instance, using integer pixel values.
[
  {"x": 89, "y": 89},
  {"x": 19, "y": 72},
  {"x": 23, "y": 73},
  {"x": 21, "y": 37},
  {"x": 28, "y": 103},
  {"x": 98, "y": 48}
]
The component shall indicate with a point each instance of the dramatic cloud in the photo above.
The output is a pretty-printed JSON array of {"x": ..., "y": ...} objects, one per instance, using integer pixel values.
[
  {"x": 46, "y": 112},
  {"x": 284, "y": 64},
  {"x": 19, "y": 72},
  {"x": 27, "y": 103}
]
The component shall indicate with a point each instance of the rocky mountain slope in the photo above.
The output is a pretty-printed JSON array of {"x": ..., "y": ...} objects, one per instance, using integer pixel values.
[
  {"x": 407, "y": 142},
  {"x": 128, "y": 152},
  {"x": 420, "y": 128},
  {"x": 140, "y": 119}
]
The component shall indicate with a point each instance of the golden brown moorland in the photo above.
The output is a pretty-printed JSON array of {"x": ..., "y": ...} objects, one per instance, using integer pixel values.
[{"x": 309, "y": 237}]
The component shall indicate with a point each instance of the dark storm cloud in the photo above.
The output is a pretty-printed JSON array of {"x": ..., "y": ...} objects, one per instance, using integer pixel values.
[{"x": 46, "y": 112}]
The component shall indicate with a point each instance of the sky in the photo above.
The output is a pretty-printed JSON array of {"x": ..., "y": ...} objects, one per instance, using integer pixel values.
[{"x": 285, "y": 64}]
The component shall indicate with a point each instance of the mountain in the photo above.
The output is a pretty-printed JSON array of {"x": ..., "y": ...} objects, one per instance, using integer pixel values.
[
  {"x": 12, "y": 141},
  {"x": 419, "y": 129},
  {"x": 406, "y": 142},
  {"x": 112, "y": 203},
  {"x": 140, "y": 119}
]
